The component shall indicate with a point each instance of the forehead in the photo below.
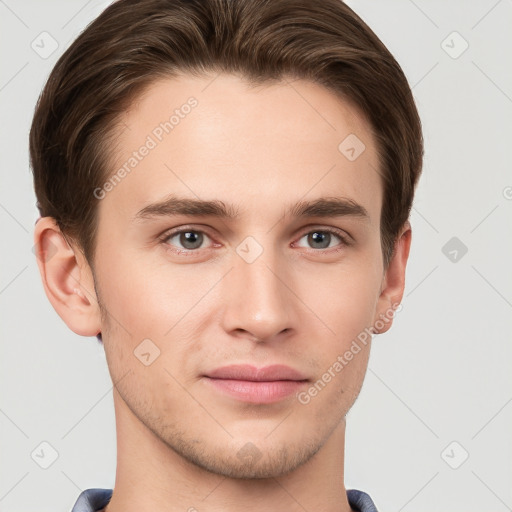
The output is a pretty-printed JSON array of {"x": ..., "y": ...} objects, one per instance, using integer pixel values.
[{"x": 217, "y": 137}]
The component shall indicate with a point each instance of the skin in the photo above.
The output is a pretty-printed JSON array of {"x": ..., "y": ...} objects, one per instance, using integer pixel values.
[{"x": 260, "y": 149}]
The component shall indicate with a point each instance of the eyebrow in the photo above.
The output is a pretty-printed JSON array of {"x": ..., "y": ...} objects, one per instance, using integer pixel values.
[{"x": 321, "y": 207}]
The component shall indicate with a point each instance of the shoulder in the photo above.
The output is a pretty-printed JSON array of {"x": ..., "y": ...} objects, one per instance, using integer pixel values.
[
  {"x": 360, "y": 501},
  {"x": 92, "y": 500}
]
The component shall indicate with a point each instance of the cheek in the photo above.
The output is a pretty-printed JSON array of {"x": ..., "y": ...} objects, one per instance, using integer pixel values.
[
  {"x": 150, "y": 295},
  {"x": 168, "y": 304},
  {"x": 344, "y": 299}
]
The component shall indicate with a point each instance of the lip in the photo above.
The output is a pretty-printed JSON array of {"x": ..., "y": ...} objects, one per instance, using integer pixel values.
[
  {"x": 257, "y": 385},
  {"x": 252, "y": 373}
]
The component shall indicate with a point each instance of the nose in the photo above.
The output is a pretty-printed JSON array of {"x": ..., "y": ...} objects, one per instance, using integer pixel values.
[{"x": 258, "y": 298}]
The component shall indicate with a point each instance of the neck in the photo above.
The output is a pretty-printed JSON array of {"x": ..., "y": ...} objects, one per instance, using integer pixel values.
[{"x": 152, "y": 476}]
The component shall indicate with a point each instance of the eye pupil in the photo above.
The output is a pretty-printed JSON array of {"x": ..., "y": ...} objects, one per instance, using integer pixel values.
[
  {"x": 318, "y": 236},
  {"x": 192, "y": 238}
]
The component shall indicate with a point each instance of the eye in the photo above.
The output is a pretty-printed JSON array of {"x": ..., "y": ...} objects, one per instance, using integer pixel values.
[
  {"x": 185, "y": 239},
  {"x": 324, "y": 238},
  {"x": 190, "y": 241}
]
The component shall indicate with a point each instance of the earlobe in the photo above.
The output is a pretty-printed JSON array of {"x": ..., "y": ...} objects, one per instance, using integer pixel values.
[
  {"x": 393, "y": 283},
  {"x": 67, "y": 279}
]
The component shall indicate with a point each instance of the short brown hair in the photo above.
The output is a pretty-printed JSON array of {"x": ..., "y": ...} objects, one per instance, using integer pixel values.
[{"x": 134, "y": 42}]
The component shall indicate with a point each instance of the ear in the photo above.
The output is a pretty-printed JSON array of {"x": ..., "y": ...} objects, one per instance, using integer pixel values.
[
  {"x": 393, "y": 282},
  {"x": 67, "y": 279}
]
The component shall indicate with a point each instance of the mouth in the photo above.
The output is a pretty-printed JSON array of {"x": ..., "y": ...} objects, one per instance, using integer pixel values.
[{"x": 256, "y": 385}]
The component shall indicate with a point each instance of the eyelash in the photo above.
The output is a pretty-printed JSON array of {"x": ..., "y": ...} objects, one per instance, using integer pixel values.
[{"x": 191, "y": 252}]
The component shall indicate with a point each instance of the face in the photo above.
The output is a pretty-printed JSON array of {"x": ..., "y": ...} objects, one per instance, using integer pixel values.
[{"x": 281, "y": 278}]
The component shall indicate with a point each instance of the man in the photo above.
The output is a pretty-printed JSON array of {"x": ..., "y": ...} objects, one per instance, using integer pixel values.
[{"x": 224, "y": 189}]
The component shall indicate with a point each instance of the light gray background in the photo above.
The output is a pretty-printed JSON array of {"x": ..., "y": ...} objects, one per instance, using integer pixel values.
[{"x": 442, "y": 374}]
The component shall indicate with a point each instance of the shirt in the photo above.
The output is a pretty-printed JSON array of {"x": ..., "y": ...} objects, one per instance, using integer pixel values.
[{"x": 92, "y": 500}]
